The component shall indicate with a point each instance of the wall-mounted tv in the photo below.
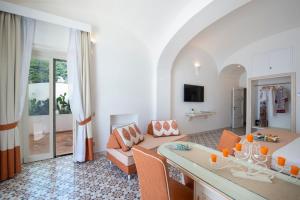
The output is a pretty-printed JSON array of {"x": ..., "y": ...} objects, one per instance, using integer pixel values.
[{"x": 193, "y": 93}]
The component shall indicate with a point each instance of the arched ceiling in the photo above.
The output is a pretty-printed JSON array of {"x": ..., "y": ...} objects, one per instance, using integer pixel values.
[
  {"x": 157, "y": 22},
  {"x": 207, "y": 15},
  {"x": 152, "y": 21},
  {"x": 252, "y": 22},
  {"x": 233, "y": 70}
]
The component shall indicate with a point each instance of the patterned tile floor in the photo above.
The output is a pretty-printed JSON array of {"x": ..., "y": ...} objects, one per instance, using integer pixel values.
[
  {"x": 211, "y": 138},
  {"x": 60, "y": 178}
]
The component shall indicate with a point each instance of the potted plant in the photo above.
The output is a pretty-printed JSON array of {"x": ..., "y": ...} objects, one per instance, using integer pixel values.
[{"x": 62, "y": 105}]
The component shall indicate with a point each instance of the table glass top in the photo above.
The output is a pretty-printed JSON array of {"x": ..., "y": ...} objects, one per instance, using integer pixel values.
[{"x": 197, "y": 162}]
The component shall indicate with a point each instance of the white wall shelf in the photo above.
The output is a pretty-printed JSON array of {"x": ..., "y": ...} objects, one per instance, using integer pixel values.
[{"x": 200, "y": 114}]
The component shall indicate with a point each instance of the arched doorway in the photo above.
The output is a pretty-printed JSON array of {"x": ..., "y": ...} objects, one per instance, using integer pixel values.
[{"x": 238, "y": 74}]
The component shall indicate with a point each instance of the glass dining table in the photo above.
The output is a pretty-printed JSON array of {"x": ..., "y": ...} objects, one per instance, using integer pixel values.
[{"x": 211, "y": 183}]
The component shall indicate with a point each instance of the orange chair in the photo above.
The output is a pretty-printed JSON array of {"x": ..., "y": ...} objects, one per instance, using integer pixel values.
[
  {"x": 154, "y": 179},
  {"x": 228, "y": 141}
]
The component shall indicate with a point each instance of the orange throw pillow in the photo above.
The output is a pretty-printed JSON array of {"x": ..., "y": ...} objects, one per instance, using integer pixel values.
[
  {"x": 113, "y": 142},
  {"x": 150, "y": 129},
  {"x": 164, "y": 128},
  {"x": 128, "y": 136}
]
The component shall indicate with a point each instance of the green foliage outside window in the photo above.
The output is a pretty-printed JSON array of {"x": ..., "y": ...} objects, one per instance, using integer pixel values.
[
  {"x": 39, "y": 71},
  {"x": 61, "y": 70},
  {"x": 38, "y": 107},
  {"x": 62, "y": 105},
  {"x": 41, "y": 107}
]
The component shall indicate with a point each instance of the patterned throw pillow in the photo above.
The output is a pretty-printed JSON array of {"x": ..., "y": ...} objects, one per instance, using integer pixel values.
[
  {"x": 128, "y": 136},
  {"x": 165, "y": 128}
]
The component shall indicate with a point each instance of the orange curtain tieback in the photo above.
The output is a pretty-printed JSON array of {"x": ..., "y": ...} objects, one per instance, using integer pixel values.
[
  {"x": 86, "y": 120},
  {"x": 6, "y": 127}
]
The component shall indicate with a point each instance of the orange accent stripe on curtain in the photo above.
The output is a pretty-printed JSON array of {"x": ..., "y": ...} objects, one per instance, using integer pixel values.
[
  {"x": 89, "y": 153},
  {"x": 10, "y": 163},
  {"x": 5, "y": 127},
  {"x": 85, "y": 121}
]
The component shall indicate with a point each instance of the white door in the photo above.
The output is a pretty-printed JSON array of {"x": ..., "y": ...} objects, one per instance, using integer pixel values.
[{"x": 238, "y": 107}]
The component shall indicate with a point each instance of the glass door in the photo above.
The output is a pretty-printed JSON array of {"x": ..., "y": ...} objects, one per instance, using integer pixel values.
[
  {"x": 48, "y": 122},
  {"x": 38, "y": 139},
  {"x": 63, "y": 115}
]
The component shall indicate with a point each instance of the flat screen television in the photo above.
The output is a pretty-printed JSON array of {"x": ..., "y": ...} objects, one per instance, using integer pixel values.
[{"x": 193, "y": 93}]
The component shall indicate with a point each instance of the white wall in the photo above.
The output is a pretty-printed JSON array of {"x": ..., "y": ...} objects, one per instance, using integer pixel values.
[
  {"x": 217, "y": 91},
  {"x": 122, "y": 81},
  {"x": 243, "y": 80},
  {"x": 51, "y": 37},
  {"x": 276, "y": 43}
]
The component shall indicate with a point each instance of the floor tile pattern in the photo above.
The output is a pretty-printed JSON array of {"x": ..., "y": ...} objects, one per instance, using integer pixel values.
[
  {"x": 60, "y": 178},
  {"x": 211, "y": 138}
]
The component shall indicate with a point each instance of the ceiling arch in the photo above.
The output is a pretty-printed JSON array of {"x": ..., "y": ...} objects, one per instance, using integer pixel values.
[
  {"x": 205, "y": 17},
  {"x": 233, "y": 70},
  {"x": 152, "y": 22},
  {"x": 248, "y": 24}
]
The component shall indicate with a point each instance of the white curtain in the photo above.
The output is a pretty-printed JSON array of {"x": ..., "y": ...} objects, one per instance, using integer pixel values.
[
  {"x": 79, "y": 91},
  {"x": 16, "y": 40},
  {"x": 28, "y": 30}
]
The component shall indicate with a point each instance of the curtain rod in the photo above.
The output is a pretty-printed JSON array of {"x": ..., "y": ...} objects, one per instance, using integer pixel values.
[
  {"x": 43, "y": 16},
  {"x": 274, "y": 84}
]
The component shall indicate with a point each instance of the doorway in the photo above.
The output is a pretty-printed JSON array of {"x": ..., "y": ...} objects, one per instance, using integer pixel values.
[
  {"x": 273, "y": 118},
  {"x": 239, "y": 107},
  {"x": 49, "y": 129},
  {"x": 237, "y": 75}
]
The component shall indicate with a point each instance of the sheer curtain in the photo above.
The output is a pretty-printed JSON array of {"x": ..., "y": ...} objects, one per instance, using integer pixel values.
[
  {"x": 79, "y": 60},
  {"x": 16, "y": 40}
]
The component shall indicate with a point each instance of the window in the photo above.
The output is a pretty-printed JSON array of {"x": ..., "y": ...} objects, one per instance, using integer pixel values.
[{"x": 38, "y": 90}]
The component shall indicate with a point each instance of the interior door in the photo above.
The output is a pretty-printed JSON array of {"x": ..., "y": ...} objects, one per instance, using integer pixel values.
[{"x": 238, "y": 107}]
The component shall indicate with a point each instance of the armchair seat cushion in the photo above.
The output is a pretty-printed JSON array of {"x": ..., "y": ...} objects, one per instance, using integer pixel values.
[
  {"x": 125, "y": 158},
  {"x": 151, "y": 142}
]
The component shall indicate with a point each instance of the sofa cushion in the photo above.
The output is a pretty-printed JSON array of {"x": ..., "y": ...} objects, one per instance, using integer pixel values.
[
  {"x": 149, "y": 142},
  {"x": 113, "y": 142},
  {"x": 127, "y": 136},
  {"x": 165, "y": 128},
  {"x": 124, "y": 157}
]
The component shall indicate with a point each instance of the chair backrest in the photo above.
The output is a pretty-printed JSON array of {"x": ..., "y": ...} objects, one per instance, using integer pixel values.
[
  {"x": 228, "y": 141},
  {"x": 152, "y": 173}
]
